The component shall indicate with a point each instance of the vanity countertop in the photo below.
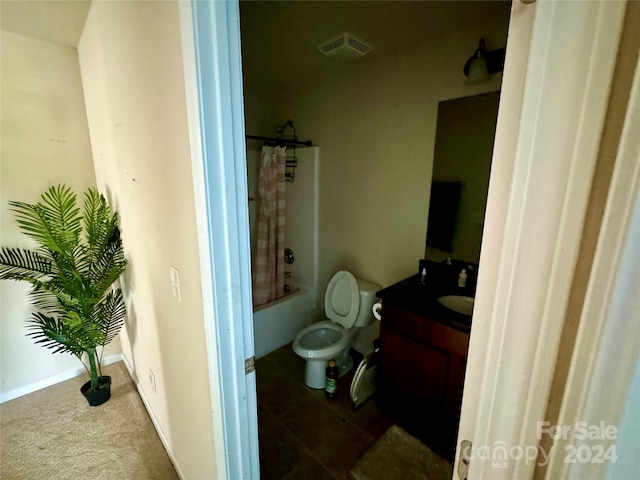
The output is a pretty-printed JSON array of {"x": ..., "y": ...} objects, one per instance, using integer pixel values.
[{"x": 422, "y": 299}]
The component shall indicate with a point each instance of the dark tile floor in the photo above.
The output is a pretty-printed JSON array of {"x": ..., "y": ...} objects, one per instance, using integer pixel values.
[{"x": 303, "y": 434}]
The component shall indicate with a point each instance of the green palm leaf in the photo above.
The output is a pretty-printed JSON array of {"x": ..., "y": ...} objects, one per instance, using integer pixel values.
[
  {"x": 53, "y": 334},
  {"x": 18, "y": 263},
  {"x": 110, "y": 314},
  {"x": 54, "y": 222},
  {"x": 99, "y": 223},
  {"x": 52, "y": 298},
  {"x": 108, "y": 268}
]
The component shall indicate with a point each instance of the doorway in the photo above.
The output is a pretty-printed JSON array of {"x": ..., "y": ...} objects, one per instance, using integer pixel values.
[{"x": 375, "y": 123}]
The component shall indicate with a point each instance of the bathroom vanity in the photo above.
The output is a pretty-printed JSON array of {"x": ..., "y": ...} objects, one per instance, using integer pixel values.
[{"x": 423, "y": 347}]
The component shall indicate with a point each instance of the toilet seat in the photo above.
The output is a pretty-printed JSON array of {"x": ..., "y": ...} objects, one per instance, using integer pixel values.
[
  {"x": 341, "y": 303},
  {"x": 342, "y": 299},
  {"x": 320, "y": 340}
]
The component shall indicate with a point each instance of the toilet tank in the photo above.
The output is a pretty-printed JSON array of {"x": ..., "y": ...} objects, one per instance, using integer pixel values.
[{"x": 367, "y": 299}]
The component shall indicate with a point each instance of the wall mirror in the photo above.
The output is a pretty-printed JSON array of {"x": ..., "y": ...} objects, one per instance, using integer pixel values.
[{"x": 461, "y": 166}]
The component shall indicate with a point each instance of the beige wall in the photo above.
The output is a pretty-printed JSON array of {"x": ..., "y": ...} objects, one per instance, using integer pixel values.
[
  {"x": 131, "y": 63},
  {"x": 375, "y": 125},
  {"x": 259, "y": 121},
  {"x": 44, "y": 141}
]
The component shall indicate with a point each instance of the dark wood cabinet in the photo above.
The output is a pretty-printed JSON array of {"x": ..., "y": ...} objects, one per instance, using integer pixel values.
[
  {"x": 423, "y": 361},
  {"x": 417, "y": 369},
  {"x": 423, "y": 357}
]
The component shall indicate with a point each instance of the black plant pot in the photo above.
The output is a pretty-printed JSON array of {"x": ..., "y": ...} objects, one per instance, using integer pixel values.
[{"x": 101, "y": 394}]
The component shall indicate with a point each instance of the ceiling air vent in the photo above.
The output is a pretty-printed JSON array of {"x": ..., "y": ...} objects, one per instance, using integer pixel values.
[{"x": 343, "y": 48}]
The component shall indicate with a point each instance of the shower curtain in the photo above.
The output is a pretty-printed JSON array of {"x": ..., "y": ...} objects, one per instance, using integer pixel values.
[{"x": 268, "y": 259}]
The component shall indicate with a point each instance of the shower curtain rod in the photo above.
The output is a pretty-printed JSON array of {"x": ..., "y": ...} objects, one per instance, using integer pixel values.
[{"x": 283, "y": 141}]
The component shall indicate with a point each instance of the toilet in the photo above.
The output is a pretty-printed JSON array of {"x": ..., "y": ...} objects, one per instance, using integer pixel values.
[{"x": 347, "y": 303}]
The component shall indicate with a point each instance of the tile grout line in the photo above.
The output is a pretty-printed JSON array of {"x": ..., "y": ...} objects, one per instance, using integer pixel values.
[
  {"x": 336, "y": 408},
  {"x": 310, "y": 453}
]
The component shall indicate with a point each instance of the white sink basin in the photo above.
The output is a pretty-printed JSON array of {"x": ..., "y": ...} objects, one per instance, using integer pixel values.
[{"x": 458, "y": 303}]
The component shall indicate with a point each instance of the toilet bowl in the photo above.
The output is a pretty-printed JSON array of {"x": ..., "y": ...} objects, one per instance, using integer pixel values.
[{"x": 348, "y": 301}]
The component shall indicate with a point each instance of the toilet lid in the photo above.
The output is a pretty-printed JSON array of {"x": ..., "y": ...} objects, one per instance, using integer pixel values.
[{"x": 342, "y": 299}]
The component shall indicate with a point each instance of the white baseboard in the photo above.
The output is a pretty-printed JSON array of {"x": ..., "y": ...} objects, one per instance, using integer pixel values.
[
  {"x": 53, "y": 379},
  {"x": 154, "y": 420}
]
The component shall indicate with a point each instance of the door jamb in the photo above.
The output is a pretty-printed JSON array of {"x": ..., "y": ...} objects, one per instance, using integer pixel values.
[
  {"x": 522, "y": 297},
  {"x": 213, "y": 80}
]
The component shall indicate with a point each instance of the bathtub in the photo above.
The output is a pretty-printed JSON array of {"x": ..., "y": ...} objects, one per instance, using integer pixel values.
[{"x": 277, "y": 323}]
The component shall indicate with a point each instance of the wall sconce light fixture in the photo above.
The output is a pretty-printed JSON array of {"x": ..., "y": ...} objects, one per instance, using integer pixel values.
[{"x": 484, "y": 63}]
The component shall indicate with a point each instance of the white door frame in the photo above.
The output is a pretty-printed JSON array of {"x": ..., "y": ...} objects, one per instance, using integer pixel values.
[
  {"x": 530, "y": 247},
  {"x": 606, "y": 352},
  {"x": 213, "y": 79}
]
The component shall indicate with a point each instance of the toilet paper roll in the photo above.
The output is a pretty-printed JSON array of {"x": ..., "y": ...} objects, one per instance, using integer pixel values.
[{"x": 376, "y": 310}]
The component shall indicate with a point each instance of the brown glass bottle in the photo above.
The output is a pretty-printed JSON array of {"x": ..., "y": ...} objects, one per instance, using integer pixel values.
[{"x": 331, "y": 380}]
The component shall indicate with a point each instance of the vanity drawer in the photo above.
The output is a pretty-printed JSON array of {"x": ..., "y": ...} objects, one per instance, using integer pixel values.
[
  {"x": 446, "y": 338},
  {"x": 425, "y": 330}
]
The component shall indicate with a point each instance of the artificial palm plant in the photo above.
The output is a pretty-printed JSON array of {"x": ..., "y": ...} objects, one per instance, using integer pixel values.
[{"x": 72, "y": 272}]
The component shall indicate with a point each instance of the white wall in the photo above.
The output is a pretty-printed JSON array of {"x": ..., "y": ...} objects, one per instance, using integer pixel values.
[
  {"x": 45, "y": 141},
  {"x": 301, "y": 211},
  {"x": 132, "y": 74},
  {"x": 628, "y": 436},
  {"x": 375, "y": 126}
]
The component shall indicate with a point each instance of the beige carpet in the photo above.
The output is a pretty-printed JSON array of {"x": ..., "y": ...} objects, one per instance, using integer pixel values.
[
  {"x": 399, "y": 456},
  {"x": 54, "y": 434}
]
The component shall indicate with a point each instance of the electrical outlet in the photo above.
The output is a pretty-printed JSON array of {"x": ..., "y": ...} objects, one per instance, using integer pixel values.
[
  {"x": 175, "y": 282},
  {"x": 152, "y": 381}
]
